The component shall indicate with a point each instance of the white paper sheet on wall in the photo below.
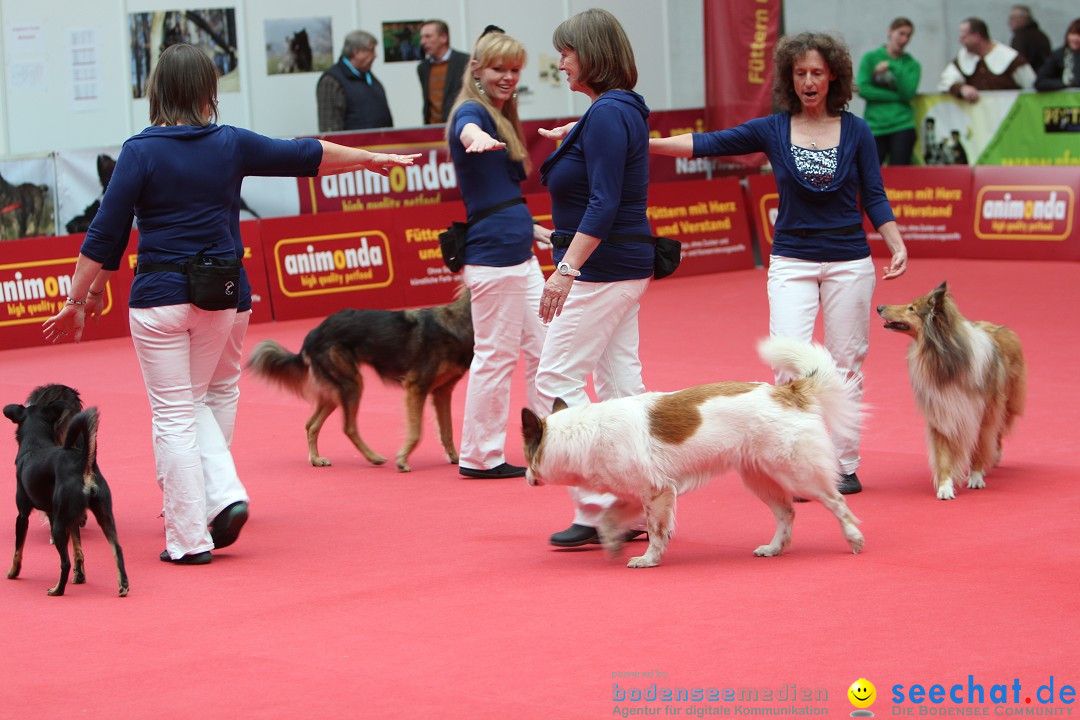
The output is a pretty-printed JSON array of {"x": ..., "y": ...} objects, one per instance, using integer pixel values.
[
  {"x": 85, "y": 95},
  {"x": 26, "y": 57}
]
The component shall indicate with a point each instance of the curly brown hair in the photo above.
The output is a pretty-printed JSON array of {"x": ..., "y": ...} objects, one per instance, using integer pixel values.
[{"x": 836, "y": 55}]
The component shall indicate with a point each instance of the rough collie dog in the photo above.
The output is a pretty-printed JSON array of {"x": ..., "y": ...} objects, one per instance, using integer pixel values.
[
  {"x": 426, "y": 351},
  {"x": 970, "y": 383},
  {"x": 650, "y": 448}
]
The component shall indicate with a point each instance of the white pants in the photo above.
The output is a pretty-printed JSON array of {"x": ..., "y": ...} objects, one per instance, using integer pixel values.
[
  {"x": 179, "y": 348},
  {"x": 505, "y": 323},
  {"x": 223, "y": 398},
  {"x": 597, "y": 334},
  {"x": 842, "y": 291}
]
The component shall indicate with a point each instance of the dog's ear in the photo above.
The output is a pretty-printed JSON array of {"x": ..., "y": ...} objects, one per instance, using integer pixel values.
[
  {"x": 937, "y": 295},
  {"x": 15, "y": 413},
  {"x": 558, "y": 405},
  {"x": 532, "y": 429}
]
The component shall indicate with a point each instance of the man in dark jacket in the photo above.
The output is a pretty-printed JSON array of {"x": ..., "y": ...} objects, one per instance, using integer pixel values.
[
  {"x": 1028, "y": 39},
  {"x": 440, "y": 71},
  {"x": 349, "y": 96}
]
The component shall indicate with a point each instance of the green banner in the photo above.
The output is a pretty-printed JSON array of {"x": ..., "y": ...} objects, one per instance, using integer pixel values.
[
  {"x": 1005, "y": 127},
  {"x": 1040, "y": 129}
]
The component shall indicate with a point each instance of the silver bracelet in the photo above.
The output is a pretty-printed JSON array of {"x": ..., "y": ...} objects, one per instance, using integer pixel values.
[{"x": 75, "y": 302}]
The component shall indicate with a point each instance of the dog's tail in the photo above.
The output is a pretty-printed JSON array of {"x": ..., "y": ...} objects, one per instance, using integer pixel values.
[
  {"x": 82, "y": 435},
  {"x": 272, "y": 362},
  {"x": 816, "y": 379}
]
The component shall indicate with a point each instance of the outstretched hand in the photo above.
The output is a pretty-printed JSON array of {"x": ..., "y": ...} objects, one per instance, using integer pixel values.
[
  {"x": 557, "y": 133},
  {"x": 382, "y": 162},
  {"x": 483, "y": 143}
]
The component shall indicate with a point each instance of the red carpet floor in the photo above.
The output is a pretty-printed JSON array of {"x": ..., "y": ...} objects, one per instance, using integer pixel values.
[{"x": 356, "y": 591}]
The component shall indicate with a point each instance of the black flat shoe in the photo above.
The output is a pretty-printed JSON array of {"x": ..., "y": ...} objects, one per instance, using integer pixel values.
[
  {"x": 578, "y": 535},
  {"x": 575, "y": 536},
  {"x": 227, "y": 524},
  {"x": 849, "y": 484},
  {"x": 506, "y": 470},
  {"x": 201, "y": 558}
]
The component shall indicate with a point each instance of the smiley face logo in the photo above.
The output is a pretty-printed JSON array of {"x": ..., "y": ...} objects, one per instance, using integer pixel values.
[{"x": 862, "y": 693}]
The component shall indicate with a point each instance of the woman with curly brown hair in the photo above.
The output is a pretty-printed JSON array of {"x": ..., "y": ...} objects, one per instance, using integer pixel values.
[{"x": 826, "y": 166}]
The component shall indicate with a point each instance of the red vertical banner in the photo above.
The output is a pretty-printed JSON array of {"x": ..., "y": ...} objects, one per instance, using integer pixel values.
[{"x": 739, "y": 41}]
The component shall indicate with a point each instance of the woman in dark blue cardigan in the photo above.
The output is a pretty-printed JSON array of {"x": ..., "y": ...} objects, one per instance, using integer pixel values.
[{"x": 826, "y": 167}]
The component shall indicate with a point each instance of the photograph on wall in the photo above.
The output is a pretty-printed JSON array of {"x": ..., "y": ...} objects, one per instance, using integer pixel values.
[
  {"x": 298, "y": 45},
  {"x": 27, "y": 202},
  {"x": 81, "y": 178},
  {"x": 212, "y": 31},
  {"x": 401, "y": 41}
]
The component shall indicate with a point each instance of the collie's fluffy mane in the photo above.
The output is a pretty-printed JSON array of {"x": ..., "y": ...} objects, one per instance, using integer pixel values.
[{"x": 943, "y": 349}]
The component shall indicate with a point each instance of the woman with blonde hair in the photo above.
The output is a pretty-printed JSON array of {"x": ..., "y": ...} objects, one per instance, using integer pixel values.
[{"x": 503, "y": 276}]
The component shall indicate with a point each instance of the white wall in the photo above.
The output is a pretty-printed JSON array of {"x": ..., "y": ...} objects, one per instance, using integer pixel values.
[{"x": 37, "y": 116}]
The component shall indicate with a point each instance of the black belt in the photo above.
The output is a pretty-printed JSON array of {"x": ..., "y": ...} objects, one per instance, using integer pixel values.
[
  {"x": 160, "y": 267},
  {"x": 487, "y": 212},
  {"x": 181, "y": 268},
  {"x": 563, "y": 240},
  {"x": 821, "y": 232}
]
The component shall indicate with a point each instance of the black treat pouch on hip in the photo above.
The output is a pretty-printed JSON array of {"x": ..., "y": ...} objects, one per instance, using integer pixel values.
[
  {"x": 213, "y": 283},
  {"x": 452, "y": 244}
]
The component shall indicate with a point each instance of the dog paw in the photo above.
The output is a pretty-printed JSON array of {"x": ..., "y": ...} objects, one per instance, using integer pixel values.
[
  {"x": 123, "y": 590},
  {"x": 379, "y": 460},
  {"x": 54, "y": 592},
  {"x": 856, "y": 543},
  {"x": 78, "y": 579},
  {"x": 13, "y": 573},
  {"x": 976, "y": 482},
  {"x": 767, "y": 551},
  {"x": 641, "y": 562},
  {"x": 319, "y": 462},
  {"x": 946, "y": 492},
  {"x": 403, "y": 467}
]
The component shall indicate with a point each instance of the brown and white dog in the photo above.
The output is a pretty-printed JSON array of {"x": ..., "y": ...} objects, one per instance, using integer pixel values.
[
  {"x": 650, "y": 448},
  {"x": 970, "y": 383}
]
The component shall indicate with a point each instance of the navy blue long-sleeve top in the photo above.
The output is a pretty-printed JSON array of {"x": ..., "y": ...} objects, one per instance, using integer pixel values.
[
  {"x": 487, "y": 179},
  {"x": 855, "y": 188},
  {"x": 183, "y": 184},
  {"x": 598, "y": 179}
]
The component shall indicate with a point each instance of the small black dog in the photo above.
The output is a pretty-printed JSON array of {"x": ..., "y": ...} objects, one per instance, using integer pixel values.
[
  {"x": 65, "y": 398},
  {"x": 61, "y": 480}
]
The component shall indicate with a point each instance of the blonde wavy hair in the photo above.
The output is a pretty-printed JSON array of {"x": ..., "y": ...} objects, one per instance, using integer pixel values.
[{"x": 495, "y": 48}]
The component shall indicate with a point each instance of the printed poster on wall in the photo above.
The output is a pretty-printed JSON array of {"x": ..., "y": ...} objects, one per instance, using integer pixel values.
[{"x": 213, "y": 31}]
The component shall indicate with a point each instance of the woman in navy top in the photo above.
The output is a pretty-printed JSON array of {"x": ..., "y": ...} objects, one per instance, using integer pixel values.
[
  {"x": 826, "y": 167},
  {"x": 598, "y": 179},
  {"x": 503, "y": 276},
  {"x": 181, "y": 177}
]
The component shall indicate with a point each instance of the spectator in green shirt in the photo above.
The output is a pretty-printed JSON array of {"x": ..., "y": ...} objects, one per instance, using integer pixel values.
[{"x": 887, "y": 79}]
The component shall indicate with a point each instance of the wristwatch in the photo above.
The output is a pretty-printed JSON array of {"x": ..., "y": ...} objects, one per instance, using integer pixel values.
[{"x": 565, "y": 269}]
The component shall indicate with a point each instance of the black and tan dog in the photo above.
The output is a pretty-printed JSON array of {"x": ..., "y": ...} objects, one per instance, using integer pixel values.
[
  {"x": 426, "y": 351},
  {"x": 61, "y": 480}
]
